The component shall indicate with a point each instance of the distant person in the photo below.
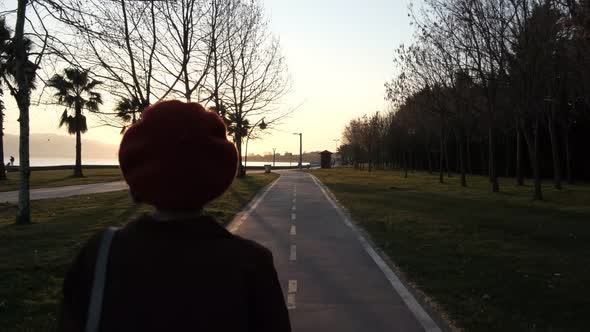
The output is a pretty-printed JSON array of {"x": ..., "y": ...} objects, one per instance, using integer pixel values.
[
  {"x": 176, "y": 269},
  {"x": 11, "y": 161}
]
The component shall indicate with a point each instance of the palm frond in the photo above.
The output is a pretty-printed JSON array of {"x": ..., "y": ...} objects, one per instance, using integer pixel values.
[
  {"x": 91, "y": 105},
  {"x": 83, "y": 126},
  {"x": 91, "y": 86},
  {"x": 64, "y": 118},
  {"x": 71, "y": 125}
]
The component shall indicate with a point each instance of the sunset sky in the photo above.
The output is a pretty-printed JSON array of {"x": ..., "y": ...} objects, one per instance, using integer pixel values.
[{"x": 339, "y": 54}]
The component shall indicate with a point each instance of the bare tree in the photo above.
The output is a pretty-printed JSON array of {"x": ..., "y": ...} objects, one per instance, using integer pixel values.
[
  {"x": 256, "y": 72},
  {"x": 186, "y": 52}
]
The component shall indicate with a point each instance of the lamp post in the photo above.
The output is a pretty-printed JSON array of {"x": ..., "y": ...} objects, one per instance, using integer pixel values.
[
  {"x": 337, "y": 140},
  {"x": 300, "y": 149},
  {"x": 274, "y": 153}
]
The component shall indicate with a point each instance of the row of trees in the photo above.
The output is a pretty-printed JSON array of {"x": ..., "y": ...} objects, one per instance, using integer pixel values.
[
  {"x": 484, "y": 85},
  {"x": 129, "y": 54}
]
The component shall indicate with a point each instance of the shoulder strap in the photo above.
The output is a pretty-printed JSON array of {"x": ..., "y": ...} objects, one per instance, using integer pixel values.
[{"x": 100, "y": 271}]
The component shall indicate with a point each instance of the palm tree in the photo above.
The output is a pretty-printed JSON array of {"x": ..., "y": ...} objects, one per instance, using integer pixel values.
[
  {"x": 128, "y": 110},
  {"x": 75, "y": 90}
]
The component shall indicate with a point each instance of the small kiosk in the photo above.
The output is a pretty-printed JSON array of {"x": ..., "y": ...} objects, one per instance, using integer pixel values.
[{"x": 326, "y": 159}]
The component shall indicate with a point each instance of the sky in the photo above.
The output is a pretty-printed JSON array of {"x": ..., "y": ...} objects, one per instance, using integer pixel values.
[{"x": 339, "y": 54}]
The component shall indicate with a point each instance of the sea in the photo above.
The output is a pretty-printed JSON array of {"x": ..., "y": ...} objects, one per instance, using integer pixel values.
[{"x": 114, "y": 162}]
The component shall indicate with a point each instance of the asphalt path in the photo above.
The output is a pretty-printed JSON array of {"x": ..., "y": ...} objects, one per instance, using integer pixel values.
[
  {"x": 76, "y": 190},
  {"x": 333, "y": 280},
  {"x": 67, "y": 191}
]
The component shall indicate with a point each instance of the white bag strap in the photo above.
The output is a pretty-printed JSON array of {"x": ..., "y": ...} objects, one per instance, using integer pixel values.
[{"x": 100, "y": 272}]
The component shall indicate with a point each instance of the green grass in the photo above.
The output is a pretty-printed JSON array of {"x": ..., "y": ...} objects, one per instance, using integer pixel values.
[
  {"x": 34, "y": 258},
  {"x": 493, "y": 262},
  {"x": 58, "y": 178}
]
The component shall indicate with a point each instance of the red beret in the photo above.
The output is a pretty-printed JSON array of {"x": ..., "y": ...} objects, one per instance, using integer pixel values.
[{"x": 177, "y": 156}]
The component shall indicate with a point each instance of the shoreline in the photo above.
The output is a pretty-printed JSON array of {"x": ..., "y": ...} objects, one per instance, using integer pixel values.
[{"x": 66, "y": 167}]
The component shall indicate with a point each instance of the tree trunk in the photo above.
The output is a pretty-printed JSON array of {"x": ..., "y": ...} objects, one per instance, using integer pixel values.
[
  {"x": 447, "y": 164},
  {"x": 429, "y": 156},
  {"x": 568, "y": 156},
  {"x": 2, "y": 167},
  {"x": 458, "y": 155},
  {"x": 406, "y": 165},
  {"x": 78, "y": 167},
  {"x": 519, "y": 173},
  {"x": 462, "y": 163},
  {"x": 492, "y": 161},
  {"x": 538, "y": 194},
  {"x": 241, "y": 170},
  {"x": 532, "y": 140},
  {"x": 508, "y": 154},
  {"x": 441, "y": 157},
  {"x": 245, "y": 171},
  {"x": 555, "y": 153},
  {"x": 469, "y": 163},
  {"x": 23, "y": 99},
  {"x": 482, "y": 158}
]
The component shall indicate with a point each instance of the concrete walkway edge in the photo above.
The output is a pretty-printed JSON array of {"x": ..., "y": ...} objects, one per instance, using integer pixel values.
[{"x": 241, "y": 216}]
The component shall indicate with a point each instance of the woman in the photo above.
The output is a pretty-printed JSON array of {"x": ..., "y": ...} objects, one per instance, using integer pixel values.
[{"x": 175, "y": 270}]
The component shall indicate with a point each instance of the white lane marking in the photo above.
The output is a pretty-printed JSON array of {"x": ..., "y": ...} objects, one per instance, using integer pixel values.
[
  {"x": 293, "y": 254},
  {"x": 421, "y": 315},
  {"x": 294, "y": 200},
  {"x": 239, "y": 219},
  {"x": 291, "y": 302},
  {"x": 293, "y": 230},
  {"x": 292, "y": 286},
  {"x": 294, "y": 208},
  {"x": 293, "y": 216}
]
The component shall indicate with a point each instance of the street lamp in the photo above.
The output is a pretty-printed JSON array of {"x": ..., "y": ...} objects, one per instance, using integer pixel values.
[
  {"x": 300, "y": 149},
  {"x": 274, "y": 153},
  {"x": 336, "y": 140}
]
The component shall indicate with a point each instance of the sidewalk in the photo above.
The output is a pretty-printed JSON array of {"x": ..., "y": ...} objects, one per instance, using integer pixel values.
[{"x": 59, "y": 192}]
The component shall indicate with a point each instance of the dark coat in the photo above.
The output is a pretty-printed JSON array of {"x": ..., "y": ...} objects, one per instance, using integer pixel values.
[{"x": 183, "y": 275}]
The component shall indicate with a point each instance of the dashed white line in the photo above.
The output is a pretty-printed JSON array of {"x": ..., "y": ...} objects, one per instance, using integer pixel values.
[
  {"x": 291, "y": 302},
  {"x": 293, "y": 254},
  {"x": 292, "y": 286},
  {"x": 293, "y": 216},
  {"x": 293, "y": 230},
  {"x": 294, "y": 208}
]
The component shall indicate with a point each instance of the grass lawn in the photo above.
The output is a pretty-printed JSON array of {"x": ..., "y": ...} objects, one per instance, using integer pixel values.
[
  {"x": 34, "y": 258},
  {"x": 58, "y": 178},
  {"x": 493, "y": 262}
]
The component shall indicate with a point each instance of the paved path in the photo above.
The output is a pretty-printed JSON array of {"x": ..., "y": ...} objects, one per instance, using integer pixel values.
[
  {"x": 332, "y": 279},
  {"x": 82, "y": 189},
  {"x": 58, "y": 192}
]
